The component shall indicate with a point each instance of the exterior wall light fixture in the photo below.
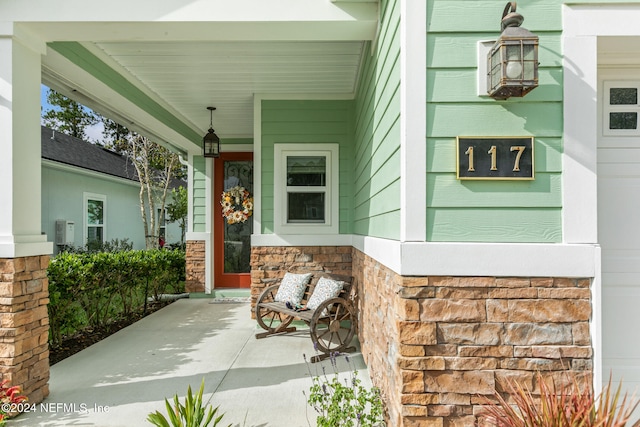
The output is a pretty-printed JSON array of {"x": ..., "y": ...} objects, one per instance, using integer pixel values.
[
  {"x": 512, "y": 62},
  {"x": 211, "y": 142}
]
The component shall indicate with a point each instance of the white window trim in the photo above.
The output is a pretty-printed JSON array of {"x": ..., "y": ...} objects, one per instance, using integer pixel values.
[
  {"x": 85, "y": 207},
  {"x": 281, "y": 152}
]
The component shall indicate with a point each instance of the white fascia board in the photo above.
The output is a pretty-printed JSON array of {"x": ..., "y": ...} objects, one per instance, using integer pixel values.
[
  {"x": 190, "y": 21},
  {"x": 480, "y": 259},
  {"x": 25, "y": 249},
  {"x": 141, "y": 11},
  {"x": 458, "y": 259},
  {"x": 498, "y": 259},
  {"x": 602, "y": 19},
  {"x": 197, "y": 235}
]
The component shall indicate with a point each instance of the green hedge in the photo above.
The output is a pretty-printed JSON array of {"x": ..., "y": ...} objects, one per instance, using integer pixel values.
[{"x": 93, "y": 289}]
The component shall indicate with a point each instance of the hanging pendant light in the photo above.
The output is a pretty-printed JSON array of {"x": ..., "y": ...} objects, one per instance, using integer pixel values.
[{"x": 211, "y": 142}]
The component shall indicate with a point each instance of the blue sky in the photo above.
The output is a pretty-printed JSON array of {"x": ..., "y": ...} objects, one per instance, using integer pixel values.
[{"x": 94, "y": 132}]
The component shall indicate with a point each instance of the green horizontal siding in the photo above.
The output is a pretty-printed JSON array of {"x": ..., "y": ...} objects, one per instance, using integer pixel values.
[
  {"x": 444, "y": 190},
  {"x": 447, "y": 50},
  {"x": 199, "y": 194},
  {"x": 460, "y": 85},
  {"x": 509, "y": 225},
  {"x": 377, "y": 133},
  {"x": 491, "y": 211},
  {"x": 307, "y": 122},
  {"x": 236, "y": 141},
  {"x": 485, "y": 15},
  {"x": 539, "y": 119}
]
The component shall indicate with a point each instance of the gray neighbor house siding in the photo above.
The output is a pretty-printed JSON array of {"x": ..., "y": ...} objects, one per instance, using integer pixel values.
[{"x": 74, "y": 171}]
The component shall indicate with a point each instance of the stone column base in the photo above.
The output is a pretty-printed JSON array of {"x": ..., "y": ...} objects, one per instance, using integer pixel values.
[
  {"x": 24, "y": 325},
  {"x": 195, "y": 274},
  {"x": 438, "y": 346}
]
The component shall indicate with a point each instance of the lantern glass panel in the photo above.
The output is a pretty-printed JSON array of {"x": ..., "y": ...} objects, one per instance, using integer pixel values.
[
  {"x": 529, "y": 52},
  {"x": 496, "y": 65},
  {"x": 529, "y": 71},
  {"x": 514, "y": 52}
]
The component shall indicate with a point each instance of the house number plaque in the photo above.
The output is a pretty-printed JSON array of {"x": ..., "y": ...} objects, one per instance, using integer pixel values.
[{"x": 495, "y": 158}]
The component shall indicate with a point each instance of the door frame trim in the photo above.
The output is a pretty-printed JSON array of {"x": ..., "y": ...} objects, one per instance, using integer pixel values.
[{"x": 217, "y": 221}]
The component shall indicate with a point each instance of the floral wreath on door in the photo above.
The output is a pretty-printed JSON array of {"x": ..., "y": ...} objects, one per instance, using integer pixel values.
[{"x": 237, "y": 205}]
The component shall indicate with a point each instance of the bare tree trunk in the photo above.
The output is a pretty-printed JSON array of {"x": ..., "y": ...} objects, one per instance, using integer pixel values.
[{"x": 150, "y": 180}]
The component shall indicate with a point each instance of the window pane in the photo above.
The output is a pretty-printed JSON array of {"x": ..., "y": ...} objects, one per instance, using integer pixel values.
[
  {"x": 95, "y": 234},
  {"x": 623, "y": 96},
  {"x": 305, "y": 207},
  {"x": 306, "y": 170},
  {"x": 95, "y": 212},
  {"x": 623, "y": 120}
]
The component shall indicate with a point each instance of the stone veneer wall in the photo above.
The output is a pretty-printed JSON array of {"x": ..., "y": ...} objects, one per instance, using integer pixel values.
[
  {"x": 195, "y": 268},
  {"x": 24, "y": 324},
  {"x": 434, "y": 345},
  {"x": 269, "y": 263}
]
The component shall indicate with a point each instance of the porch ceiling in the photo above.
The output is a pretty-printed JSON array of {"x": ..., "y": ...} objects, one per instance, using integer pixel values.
[
  {"x": 158, "y": 77},
  {"x": 192, "y": 75}
]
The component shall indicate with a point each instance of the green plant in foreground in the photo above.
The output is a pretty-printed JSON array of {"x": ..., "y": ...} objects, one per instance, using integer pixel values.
[
  {"x": 569, "y": 405},
  {"x": 189, "y": 414},
  {"x": 344, "y": 403}
]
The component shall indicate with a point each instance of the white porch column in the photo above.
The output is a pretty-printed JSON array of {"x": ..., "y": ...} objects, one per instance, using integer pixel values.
[
  {"x": 20, "y": 198},
  {"x": 413, "y": 121},
  {"x": 24, "y": 294}
]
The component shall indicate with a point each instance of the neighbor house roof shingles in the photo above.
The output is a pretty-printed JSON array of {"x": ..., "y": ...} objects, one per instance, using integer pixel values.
[{"x": 69, "y": 150}]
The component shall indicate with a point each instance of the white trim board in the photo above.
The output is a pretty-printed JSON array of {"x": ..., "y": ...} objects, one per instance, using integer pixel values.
[
  {"x": 583, "y": 26},
  {"x": 457, "y": 259}
]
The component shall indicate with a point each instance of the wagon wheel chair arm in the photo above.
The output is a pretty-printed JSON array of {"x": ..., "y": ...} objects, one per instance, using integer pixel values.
[{"x": 271, "y": 320}]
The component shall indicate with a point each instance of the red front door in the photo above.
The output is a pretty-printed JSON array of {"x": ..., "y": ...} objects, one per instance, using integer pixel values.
[{"x": 232, "y": 241}]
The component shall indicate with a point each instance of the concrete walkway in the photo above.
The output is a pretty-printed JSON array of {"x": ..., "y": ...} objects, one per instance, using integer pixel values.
[{"x": 120, "y": 380}]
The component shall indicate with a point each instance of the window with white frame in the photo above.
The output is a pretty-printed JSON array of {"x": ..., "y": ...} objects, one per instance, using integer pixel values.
[
  {"x": 306, "y": 188},
  {"x": 95, "y": 207},
  {"x": 620, "y": 108}
]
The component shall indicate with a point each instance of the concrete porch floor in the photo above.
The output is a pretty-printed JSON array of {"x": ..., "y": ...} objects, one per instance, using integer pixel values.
[{"x": 120, "y": 380}]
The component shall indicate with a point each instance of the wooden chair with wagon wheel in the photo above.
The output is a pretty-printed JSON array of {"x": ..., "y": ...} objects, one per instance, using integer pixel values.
[{"x": 331, "y": 321}]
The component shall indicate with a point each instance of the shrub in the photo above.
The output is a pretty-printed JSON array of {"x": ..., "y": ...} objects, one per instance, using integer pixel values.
[
  {"x": 95, "y": 288},
  {"x": 114, "y": 245},
  {"x": 569, "y": 405},
  {"x": 345, "y": 403}
]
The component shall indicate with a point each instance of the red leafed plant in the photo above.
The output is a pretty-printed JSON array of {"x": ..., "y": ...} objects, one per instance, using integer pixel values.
[
  {"x": 570, "y": 405},
  {"x": 9, "y": 395}
]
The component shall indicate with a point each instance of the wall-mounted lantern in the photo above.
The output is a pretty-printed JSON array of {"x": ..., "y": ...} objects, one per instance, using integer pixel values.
[
  {"x": 211, "y": 142},
  {"x": 512, "y": 62}
]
